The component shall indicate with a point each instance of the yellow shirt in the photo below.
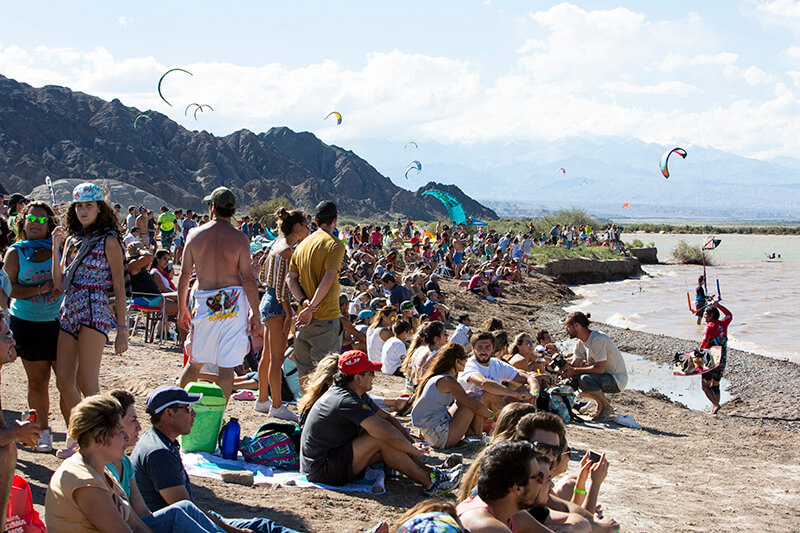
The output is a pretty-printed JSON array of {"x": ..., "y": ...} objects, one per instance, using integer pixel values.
[
  {"x": 62, "y": 513},
  {"x": 318, "y": 253}
]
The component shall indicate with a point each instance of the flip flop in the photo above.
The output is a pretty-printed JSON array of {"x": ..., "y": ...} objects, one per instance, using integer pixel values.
[{"x": 246, "y": 395}]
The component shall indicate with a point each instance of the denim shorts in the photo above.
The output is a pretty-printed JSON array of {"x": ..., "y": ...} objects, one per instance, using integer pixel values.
[
  {"x": 596, "y": 382},
  {"x": 270, "y": 306}
]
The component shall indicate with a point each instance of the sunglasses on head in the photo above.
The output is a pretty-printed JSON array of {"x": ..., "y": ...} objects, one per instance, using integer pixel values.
[{"x": 34, "y": 218}]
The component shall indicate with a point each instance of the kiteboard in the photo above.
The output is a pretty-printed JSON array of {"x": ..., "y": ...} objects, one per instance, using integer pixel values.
[{"x": 697, "y": 361}]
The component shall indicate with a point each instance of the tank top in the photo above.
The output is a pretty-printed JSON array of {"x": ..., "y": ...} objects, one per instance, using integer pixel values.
[
  {"x": 37, "y": 308},
  {"x": 375, "y": 344},
  {"x": 275, "y": 275},
  {"x": 475, "y": 502},
  {"x": 430, "y": 408}
]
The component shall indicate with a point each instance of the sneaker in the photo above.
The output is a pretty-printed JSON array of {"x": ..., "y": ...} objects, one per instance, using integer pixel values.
[
  {"x": 283, "y": 413},
  {"x": 45, "y": 443},
  {"x": 69, "y": 451},
  {"x": 263, "y": 407},
  {"x": 444, "y": 481}
]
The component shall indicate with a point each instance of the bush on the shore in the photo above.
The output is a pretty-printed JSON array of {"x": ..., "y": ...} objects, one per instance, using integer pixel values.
[
  {"x": 543, "y": 254},
  {"x": 690, "y": 255},
  {"x": 635, "y": 243}
]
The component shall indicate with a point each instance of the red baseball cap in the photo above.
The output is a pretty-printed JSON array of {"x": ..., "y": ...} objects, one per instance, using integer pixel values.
[{"x": 354, "y": 362}]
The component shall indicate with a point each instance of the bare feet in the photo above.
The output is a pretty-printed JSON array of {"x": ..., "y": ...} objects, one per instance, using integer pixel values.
[
  {"x": 715, "y": 409},
  {"x": 603, "y": 415}
]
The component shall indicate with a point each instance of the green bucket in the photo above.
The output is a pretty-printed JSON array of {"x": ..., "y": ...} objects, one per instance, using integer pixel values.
[{"x": 208, "y": 419}]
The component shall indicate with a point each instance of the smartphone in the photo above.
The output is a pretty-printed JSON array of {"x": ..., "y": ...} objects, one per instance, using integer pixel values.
[{"x": 594, "y": 456}]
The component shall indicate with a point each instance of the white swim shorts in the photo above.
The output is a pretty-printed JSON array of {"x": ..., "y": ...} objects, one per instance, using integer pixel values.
[{"x": 219, "y": 327}]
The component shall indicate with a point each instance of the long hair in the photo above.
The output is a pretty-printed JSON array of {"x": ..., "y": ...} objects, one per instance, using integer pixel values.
[
  {"x": 319, "y": 382},
  {"x": 432, "y": 505},
  {"x": 505, "y": 429},
  {"x": 106, "y": 220},
  {"x": 52, "y": 221},
  {"x": 159, "y": 254},
  {"x": 426, "y": 335},
  {"x": 288, "y": 219},
  {"x": 442, "y": 363},
  {"x": 383, "y": 312},
  {"x": 517, "y": 341}
]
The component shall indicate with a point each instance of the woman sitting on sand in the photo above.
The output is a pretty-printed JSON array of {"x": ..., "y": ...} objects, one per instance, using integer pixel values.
[
  {"x": 380, "y": 331},
  {"x": 429, "y": 339},
  {"x": 83, "y": 497},
  {"x": 443, "y": 410}
]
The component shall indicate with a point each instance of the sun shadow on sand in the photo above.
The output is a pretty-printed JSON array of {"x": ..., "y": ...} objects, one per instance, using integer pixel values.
[
  {"x": 38, "y": 477},
  {"x": 770, "y": 418}
]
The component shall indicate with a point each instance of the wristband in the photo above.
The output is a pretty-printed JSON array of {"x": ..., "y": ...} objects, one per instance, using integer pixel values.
[{"x": 578, "y": 491}]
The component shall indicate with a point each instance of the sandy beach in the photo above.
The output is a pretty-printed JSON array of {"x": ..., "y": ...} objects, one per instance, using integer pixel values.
[{"x": 684, "y": 471}]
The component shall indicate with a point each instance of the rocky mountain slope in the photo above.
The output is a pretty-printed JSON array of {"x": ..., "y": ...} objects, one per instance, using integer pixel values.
[{"x": 64, "y": 134}]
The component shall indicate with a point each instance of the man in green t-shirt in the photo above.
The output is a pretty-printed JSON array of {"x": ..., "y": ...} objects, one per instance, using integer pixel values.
[
  {"x": 166, "y": 225},
  {"x": 314, "y": 281}
]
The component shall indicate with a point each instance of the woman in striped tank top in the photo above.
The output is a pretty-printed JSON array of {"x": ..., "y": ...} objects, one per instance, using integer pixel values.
[{"x": 276, "y": 314}]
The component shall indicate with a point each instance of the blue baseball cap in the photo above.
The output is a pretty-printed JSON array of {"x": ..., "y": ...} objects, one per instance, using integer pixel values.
[
  {"x": 169, "y": 395},
  {"x": 365, "y": 314}
]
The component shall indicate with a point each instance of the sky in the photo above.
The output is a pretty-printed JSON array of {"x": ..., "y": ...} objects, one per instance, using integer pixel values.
[{"x": 722, "y": 74}]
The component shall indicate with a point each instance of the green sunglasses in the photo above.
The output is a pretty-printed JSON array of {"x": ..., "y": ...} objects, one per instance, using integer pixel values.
[{"x": 34, "y": 218}]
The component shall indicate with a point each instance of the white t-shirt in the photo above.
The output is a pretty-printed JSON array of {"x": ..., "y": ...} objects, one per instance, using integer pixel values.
[
  {"x": 375, "y": 344},
  {"x": 460, "y": 335},
  {"x": 130, "y": 222},
  {"x": 496, "y": 370},
  {"x": 601, "y": 348},
  {"x": 394, "y": 350},
  {"x": 355, "y": 307}
]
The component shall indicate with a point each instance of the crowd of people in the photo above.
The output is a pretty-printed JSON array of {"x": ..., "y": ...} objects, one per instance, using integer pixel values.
[{"x": 344, "y": 304}]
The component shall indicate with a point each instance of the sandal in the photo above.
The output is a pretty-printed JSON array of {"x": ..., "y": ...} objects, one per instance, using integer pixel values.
[{"x": 246, "y": 395}]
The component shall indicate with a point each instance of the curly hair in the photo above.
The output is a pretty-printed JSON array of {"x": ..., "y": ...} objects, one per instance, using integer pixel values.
[
  {"x": 52, "y": 220},
  {"x": 106, "y": 219}
]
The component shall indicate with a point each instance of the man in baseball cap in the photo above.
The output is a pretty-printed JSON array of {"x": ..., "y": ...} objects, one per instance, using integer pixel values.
[{"x": 346, "y": 431}]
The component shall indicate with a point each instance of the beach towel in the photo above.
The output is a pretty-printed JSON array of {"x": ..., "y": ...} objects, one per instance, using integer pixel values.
[{"x": 210, "y": 466}]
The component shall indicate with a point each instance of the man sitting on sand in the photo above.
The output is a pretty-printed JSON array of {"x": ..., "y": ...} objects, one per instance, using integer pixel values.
[
  {"x": 158, "y": 470},
  {"x": 598, "y": 367},
  {"x": 510, "y": 479},
  {"x": 345, "y": 432},
  {"x": 495, "y": 381}
]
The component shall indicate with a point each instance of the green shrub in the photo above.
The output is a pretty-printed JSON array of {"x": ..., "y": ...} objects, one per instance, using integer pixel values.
[
  {"x": 690, "y": 255},
  {"x": 635, "y": 243}
]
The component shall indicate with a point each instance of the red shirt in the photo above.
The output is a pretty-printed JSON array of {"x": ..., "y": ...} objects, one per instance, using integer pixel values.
[
  {"x": 716, "y": 328},
  {"x": 375, "y": 238}
]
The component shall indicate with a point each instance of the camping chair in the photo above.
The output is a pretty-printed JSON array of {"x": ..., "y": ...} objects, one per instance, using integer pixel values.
[{"x": 153, "y": 316}]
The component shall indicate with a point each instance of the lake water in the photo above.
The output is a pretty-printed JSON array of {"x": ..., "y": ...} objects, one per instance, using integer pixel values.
[{"x": 763, "y": 296}]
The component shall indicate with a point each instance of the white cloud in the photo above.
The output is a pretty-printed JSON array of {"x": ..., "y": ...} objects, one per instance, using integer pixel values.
[
  {"x": 676, "y": 88},
  {"x": 751, "y": 75},
  {"x": 781, "y": 8},
  {"x": 124, "y": 21},
  {"x": 792, "y": 51},
  {"x": 673, "y": 62}
]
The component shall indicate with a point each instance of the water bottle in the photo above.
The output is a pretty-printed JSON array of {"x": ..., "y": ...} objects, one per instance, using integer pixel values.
[{"x": 230, "y": 439}]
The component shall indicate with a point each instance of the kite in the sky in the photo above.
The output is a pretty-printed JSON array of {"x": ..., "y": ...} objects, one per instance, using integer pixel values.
[
  {"x": 563, "y": 172},
  {"x": 162, "y": 79},
  {"x": 410, "y": 143},
  {"x": 626, "y": 204},
  {"x": 337, "y": 115},
  {"x": 665, "y": 159},
  {"x": 198, "y": 108},
  {"x": 142, "y": 115},
  {"x": 414, "y": 165}
]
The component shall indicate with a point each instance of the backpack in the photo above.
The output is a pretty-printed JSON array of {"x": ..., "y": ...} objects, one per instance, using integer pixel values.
[
  {"x": 274, "y": 444},
  {"x": 561, "y": 401}
]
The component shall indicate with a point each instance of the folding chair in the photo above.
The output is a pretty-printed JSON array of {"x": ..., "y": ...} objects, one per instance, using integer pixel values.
[{"x": 152, "y": 317}]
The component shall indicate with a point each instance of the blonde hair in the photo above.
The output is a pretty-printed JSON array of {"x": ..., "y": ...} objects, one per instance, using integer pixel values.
[
  {"x": 95, "y": 418},
  {"x": 319, "y": 382}
]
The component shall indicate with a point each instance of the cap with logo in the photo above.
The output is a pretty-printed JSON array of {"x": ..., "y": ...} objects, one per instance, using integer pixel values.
[
  {"x": 169, "y": 395},
  {"x": 222, "y": 197},
  {"x": 354, "y": 362}
]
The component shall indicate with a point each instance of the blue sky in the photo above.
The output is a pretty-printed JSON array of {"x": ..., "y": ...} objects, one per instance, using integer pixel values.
[{"x": 715, "y": 73}]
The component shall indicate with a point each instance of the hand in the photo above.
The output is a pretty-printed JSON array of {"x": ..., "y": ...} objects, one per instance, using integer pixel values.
[
  {"x": 56, "y": 292},
  {"x": 46, "y": 287},
  {"x": 121, "y": 342},
  {"x": 583, "y": 471},
  {"x": 185, "y": 319},
  {"x": 568, "y": 371},
  {"x": 420, "y": 449},
  {"x": 304, "y": 316},
  {"x": 58, "y": 236},
  {"x": 599, "y": 470},
  {"x": 524, "y": 396},
  {"x": 254, "y": 323},
  {"x": 26, "y": 432}
]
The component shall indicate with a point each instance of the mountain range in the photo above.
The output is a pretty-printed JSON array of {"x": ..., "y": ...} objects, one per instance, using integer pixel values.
[{"x": 53, "y": 131}]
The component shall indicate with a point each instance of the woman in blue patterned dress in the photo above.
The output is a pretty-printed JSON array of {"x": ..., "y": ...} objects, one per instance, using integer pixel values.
[{"x": 91, "y": 265}]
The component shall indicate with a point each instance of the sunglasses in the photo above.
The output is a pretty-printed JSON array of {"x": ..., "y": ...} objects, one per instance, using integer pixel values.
[
  {"x": 543, "y": 447},
  {"x": 7, "y": 336},
  {"x": 539, "y": 477},
  {"x": 187, "y": 408},
  {"x": 34, "y": 218}
]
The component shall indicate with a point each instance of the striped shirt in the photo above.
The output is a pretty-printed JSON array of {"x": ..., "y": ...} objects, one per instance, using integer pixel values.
[{"x": 275, "y": 272}]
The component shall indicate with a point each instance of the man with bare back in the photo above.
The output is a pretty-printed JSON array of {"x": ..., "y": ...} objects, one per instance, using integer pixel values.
[
  {"x": 225, "y": 286},
  {"x": 459, "y": 243}
]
